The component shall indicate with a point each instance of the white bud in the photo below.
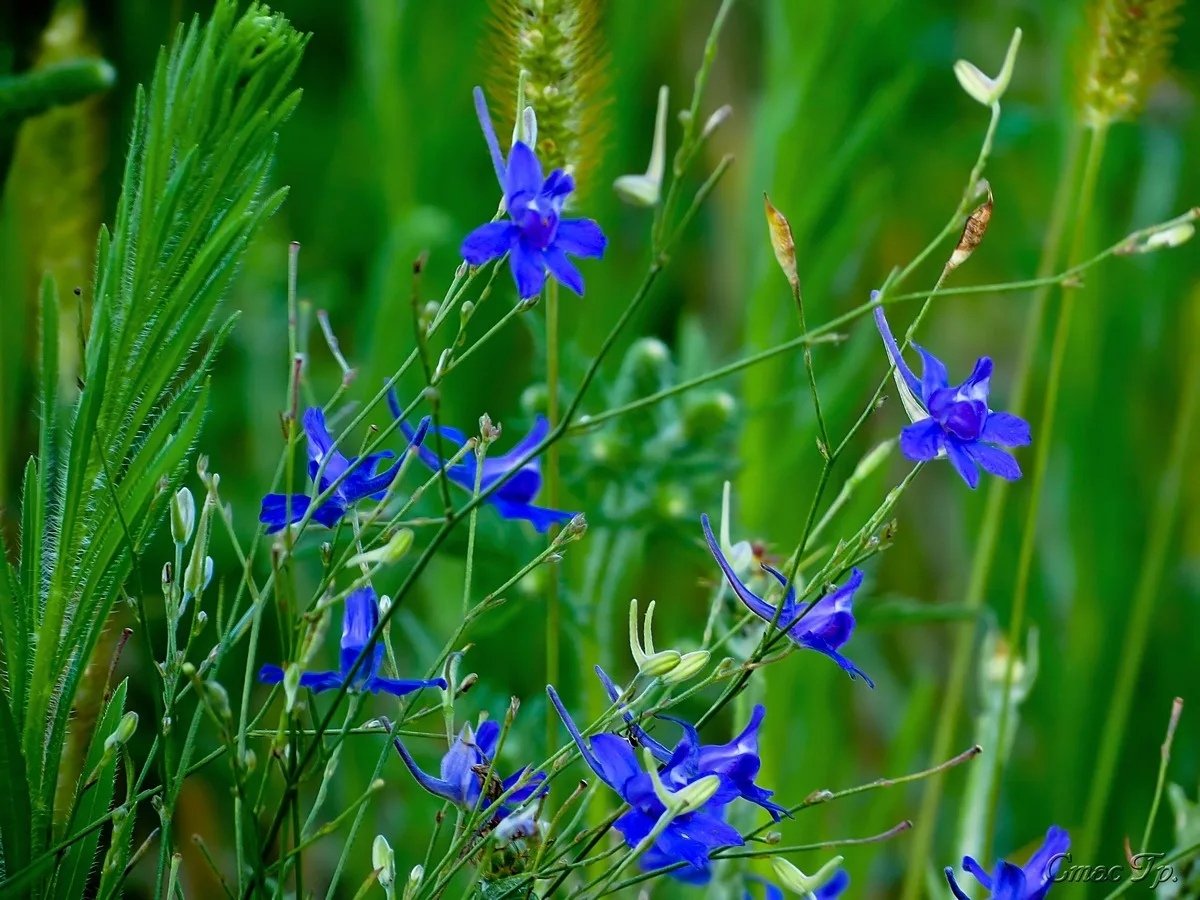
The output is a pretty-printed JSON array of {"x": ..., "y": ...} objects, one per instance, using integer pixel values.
[
  {"x": 796, "y": 881},
  {"x": 183, "y": 516},
  {"x": 646, "y": 190},
  {"x": 982, "y": 88},
  {"x": 383, "y": 860},
  {"x": 291, "y": 685}
]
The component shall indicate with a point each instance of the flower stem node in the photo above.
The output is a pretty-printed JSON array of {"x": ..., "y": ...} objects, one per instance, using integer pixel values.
[
  {"x": 805, "y": 885},
  {"x": 982, "y": 88},
  {"x": 649, "y": 663}
]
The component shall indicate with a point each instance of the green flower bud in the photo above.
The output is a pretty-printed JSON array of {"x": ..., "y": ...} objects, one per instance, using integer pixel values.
[
  {"x": 123, "y": 732},
  {"x": 689, "y": 665},
  {"x": 797, "y": 882},
  {"x": 291, "y": 685},
  {"x": 384, "y": 862},
  {"x": 183, "y": 516},
  {"x": 983, "y": 89}
]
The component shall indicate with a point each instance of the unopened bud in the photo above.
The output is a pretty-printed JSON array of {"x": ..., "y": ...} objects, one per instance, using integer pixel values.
[
  {"x": 488, "y": 430},
  {"x": 183, "y": 516},
  {"x": 646, "y": 189},
  {"x": 218, "y": 700},
  {"x": 689, "y": 665},
  {"x": 122, "y": 733},
  {"x": 392, "y": 552},
  {"x": 249, "y": 761},
  {"x": 291, "y": 685},
  {"x": 415, "y": 877},
  {"x": 795, "y": 880},
  {"x": 982, "y": 88},
  {"x": 782, "y": 242},
  {"x": 699, "y": 792},
  {"x": 383, "y": 860},
  {"x": 715, "y": 121}
]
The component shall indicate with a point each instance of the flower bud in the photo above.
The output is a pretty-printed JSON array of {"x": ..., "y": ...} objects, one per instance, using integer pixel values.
[
  {"x": 195, "y": 580},
  {"x": 122, "y": 733},
  {"x": 715, "y": 121},
  {"x": 706, "y": 413},
  {"x": 689, "y": 665},
  {"x": 383, "y": 860},
  {"x": 415, "y": 877},
  {"x": 649, "y": 662},
  {"x": 699, "y": 792},
  {"x": 782, "y": 242},
  {"x": 646, "y": 190},
  {"x": 392, "y": 552},
  {"x": 795, "y": 880},
  {"x": 183, "y": 516},
  {"x": 218, "y": 700},
  {"x": 983, "y": 89},
  {"x": 291, "y": 685}
]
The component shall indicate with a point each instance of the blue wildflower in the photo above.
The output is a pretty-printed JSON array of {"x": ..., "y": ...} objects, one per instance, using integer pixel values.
[
  {"x": 361, "y": 482},
  {"x": 514, "y": 498},
  {"x": 1012, "y": 882},
  {"x": 534, "y": 236},
  {"x": 737, "y": 763},
  {"x": 832, "y": 889},
  {"x": 954, "y": 422},
  {"x": 826, "y": 627},
  {"x": 689, "y": 838},
  {"x": 464, "y": 767},
  {"x": 358, "y": 623}
]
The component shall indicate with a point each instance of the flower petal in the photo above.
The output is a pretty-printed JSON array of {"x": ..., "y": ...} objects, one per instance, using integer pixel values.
[
  {"x": 933, "y": 373},
  {"x": 972, "y": 866},
  {"x": 922, "y": 441},
  {"x": 1010, "y": 881},
  {"x": 275, "y": 509},
  {"x": 321, "y": 681},
  {"x": 489, "y": 133},
  {"x": 995, "y": 461},
  {"x": 752, "y": 601},
  {"x": 958, "y": 892},
  {"x": 438, "y": 786},
  {"x": 962, "y": 462},
  {"x": 893, "y": 350},
  {"x": 538, "y": 516},
  {"x": 581, "y": 237},
  {"x": 529, "y": 270},
  {"x": 562, "y": 269},
  {"x": 1006, "y": 429},
  {"x": 524, "y": 172},
  {"x": 976, "y": 385},
  {"x": 399, "y": 686},
  {"x": 834, "y": 887},
  {"x": 487, "y": 242}
]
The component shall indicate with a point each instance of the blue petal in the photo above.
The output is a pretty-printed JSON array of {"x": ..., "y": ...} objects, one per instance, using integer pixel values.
[
  {"x": 321, "y": 681},
  {"x": 962, "y": 462},
  {"x": 753, "y": 602},
  {"x": 1006, "y": 429},
  {"x": 1045, "y": 863},
  {"x": 487, "y": 735},
  {"x": 534, "y": 786},
  {"x": 524, "y": 173},
  {"x": 562, "y": 269},
  {"x": 834, "y": 887},
  {"x": 933, "y": 373},
  {"x": 893, "y": 350},
  {"x": 540, "y": 517},
  {"x": 437, "y": 786},
  {"x": 972, "y": 866},
  {"x": 661, "y": 753},
  {"x": 529, "y": 270},
  {"x": 400, "y": 686},
  {"x": 616, "y": 760},
  {"x": 270, "y": 674},
  {"x": 588, "y": 757},
  {"x": 580, "y": 237},
  {"x": 274, "y": 511},
  {"x": 557, "y": 187},
  {"x": 489, "y": 134},
  {"x": 1010, "y": 883},
  {"x": 487, "y": 242},
  {"x": 922, "y": 441},
  {"x": 359, "y": 619},
  {"x": 958, "y": 892},
  {"x": 519, "y": 487},
  {"x": 976, "y": 385},
  {"x": 814, "y": 642},
  {"x": 995, "y": 461}
]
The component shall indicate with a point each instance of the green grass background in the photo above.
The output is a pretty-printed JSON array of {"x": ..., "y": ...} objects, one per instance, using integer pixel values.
[{"x": 849, "y": 115}]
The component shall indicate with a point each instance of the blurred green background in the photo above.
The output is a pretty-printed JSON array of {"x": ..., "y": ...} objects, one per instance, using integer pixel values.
[{"x": 849, "y": 115}]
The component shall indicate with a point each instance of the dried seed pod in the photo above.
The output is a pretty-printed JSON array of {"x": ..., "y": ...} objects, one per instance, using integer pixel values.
[{"x": 973, "y": 231}]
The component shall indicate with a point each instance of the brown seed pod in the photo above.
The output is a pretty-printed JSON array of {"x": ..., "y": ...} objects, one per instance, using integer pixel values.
[{"x": 973, "y": 232}]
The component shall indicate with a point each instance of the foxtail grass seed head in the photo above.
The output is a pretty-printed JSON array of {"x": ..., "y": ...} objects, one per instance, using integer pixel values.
[
  {"x": 646, "y": 189},
  {"x": 973, "y": 231},
  {"x": 982, "y": 88},
  {"x": 551, "y": 53},
  {"x": 1128, "y": 49},
  {"x": 782, "y": 242}
]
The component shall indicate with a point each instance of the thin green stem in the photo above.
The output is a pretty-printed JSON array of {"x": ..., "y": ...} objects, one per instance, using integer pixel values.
[{"x": 553, "y": 492}]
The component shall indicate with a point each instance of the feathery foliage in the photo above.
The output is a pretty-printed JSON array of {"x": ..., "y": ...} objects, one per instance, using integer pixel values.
[{"x": 195, "y": 192}]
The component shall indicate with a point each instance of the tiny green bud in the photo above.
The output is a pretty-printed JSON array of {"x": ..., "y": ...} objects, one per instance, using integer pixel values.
[
  {"x": 392, "y": 552},
  {"x": 689, "y": 665},
  {"x": 122, "y": 733},
  {"x": 249, "y": 761},
  {"x": 218, "y": 700},
  {"x": 415, "y": 877},
  {"x": 291, "y": 685},
  {"x": 699, "y": 792},
  {"x": 183, "y": 516}
]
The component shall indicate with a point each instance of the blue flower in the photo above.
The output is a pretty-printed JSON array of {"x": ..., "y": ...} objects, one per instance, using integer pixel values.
[
  {"x": 1012, "y": 882},
  {"x": 464, "y": 767},
  {"x": 826, "y": 627},
  {"x": 689, "y": 838},
  {"x": 955, "y": 422},
  {"x": 736, "y": 763},
  {"x": 832, "y": 889},
  {"x": 534, "y": 236},
  {"x": 361, "y": 483},
  {"x": 358, "y": 623},
  {"x": 514, "y": 498}
]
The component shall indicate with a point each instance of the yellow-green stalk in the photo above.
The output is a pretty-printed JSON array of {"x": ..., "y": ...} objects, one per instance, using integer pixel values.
[{"x": 558, "y": 46}]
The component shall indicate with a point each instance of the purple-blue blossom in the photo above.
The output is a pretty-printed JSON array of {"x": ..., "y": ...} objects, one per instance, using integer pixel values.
[
  {"x": 825, "y": 627},
  {"x": 954, "y": 421},
  {"x": 1009, "y": 881},
  {"x": 464, "y": 766},
  {"x": 359, "y": 620},
  {"x": 689, "y": 838},
  {"x": 361, "y": 480},
  {"x": 514, "y": 498},
  {"x": 736, "y": 763},
  {"x": 535, "y": 236}
]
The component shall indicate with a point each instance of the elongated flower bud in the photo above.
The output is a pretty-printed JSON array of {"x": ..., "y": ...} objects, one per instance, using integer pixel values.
[
  {"x": 782, "y": 242},
  {"x": 645, "y": 190},
  {"x": 183, "y": 516},
  {"x": 384, "y": 862},
  {"x": 795, "y": 880},
  {"x": 983, "y": 89}
]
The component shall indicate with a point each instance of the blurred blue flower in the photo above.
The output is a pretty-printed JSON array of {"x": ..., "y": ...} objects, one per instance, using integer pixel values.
[
  {"x": 1012, "y": 882},
  {"x": 358, "y": 622},
  {"x": 514, "y": 498},
  {"x": 690, "y": 837},
  {"x": 360, "y": 483},
  {"x": 954, "y": 421},
  {"x": 464, "y": 768},
  {"x": 828, "y": 891},
  {"x": 826, "y": 627},
  {"x": 736, "y": 763},
  {"x": 534, "y": 236}
]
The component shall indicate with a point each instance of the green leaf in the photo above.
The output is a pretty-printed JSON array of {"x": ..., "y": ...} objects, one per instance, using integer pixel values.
[
  {"x": 94, "y": 799},
  {"x": 15, "y": 817}
]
